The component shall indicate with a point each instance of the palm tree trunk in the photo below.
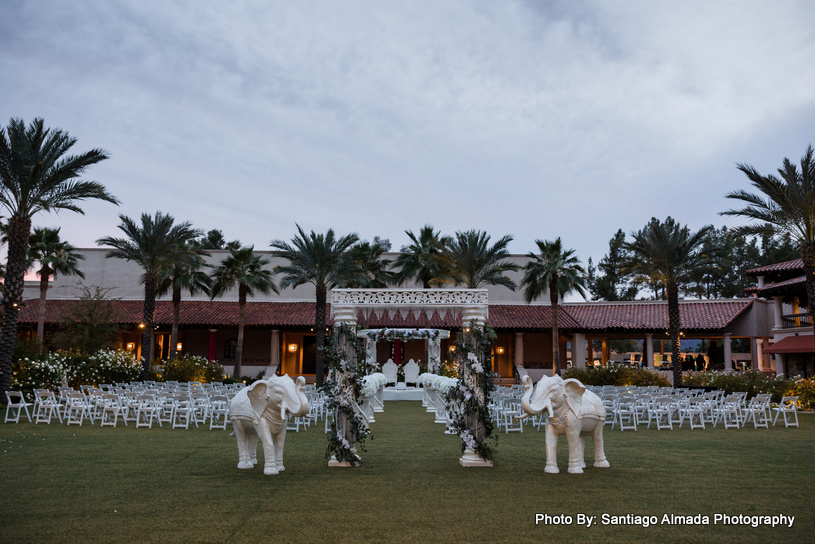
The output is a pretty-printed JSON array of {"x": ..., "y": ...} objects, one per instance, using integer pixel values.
[
  {"x": 673, "y": 329},
  {"x": 319, "y": 331},
  {"x": 176, "y": 319},
  {"x": 808, "y": 256},
  {"x": 19, "y": 231},
  {"x": 236, "y": 372},
  {"x": 45, "y": 272},
  {"x": 553, "y": 298},
  {"x": 148, "y": 318}
]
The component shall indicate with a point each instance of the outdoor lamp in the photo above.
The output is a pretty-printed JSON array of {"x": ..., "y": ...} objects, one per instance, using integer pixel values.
[
  {"x": 499, "y": 350},
  {"x": 131, "y": 346},
  {"x": 292, "y": 348},
  {"x": 178, "y": 347}
]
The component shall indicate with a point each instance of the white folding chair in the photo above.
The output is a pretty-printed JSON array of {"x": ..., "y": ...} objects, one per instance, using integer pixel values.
[
  {"x": 146, "y": 411},
  {"x": 219, "y": 409},
  {"x": 112, "y": 407},
  {"x": 16, "y": 405},
  {"x": 788, "y": 407}
]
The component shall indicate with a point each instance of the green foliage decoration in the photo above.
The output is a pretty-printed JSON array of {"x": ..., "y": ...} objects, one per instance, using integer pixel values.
[
  {"x": 616, "y": 374},
  {"x": 471, "y": 418},
  {"x": 189, "y": 368},
  {"x": 345, "y": 360}
]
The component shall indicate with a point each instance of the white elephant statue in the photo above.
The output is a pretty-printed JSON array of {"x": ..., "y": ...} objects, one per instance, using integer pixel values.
[
  {"x": 572, "y": 410},
  {"x": 262, "y": 410}
]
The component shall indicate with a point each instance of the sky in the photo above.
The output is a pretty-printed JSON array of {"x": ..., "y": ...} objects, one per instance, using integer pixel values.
[{"x": 529, "y": 118}]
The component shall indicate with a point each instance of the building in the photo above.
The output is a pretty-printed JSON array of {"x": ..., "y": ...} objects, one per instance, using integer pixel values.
[{"x": 279, "y": 328}]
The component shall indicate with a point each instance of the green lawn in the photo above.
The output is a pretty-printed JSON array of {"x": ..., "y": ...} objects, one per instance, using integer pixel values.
[{"x": 82, "y": 484}]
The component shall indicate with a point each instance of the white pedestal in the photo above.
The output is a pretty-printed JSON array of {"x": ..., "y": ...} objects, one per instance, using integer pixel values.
[{"x": 471, "y": 459}]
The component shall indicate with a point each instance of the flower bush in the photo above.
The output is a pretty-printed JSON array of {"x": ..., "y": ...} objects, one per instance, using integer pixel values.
[
  {"x": 753, "y": 383},
  {"x": 189, "y": 368},
  {"x": 616, "y": 374},
  {"x": 371, "y": 383}
]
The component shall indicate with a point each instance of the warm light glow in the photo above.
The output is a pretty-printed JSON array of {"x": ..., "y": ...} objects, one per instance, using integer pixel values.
[
  {"x": 178, "y": 347},
  {"x": 466, "y": 329},
  {"x": 453, "y": 348},
  {"x": 292, "y": 347},
  {"x": 141, "y": 325},
  {"x": 499, "y": 350},
  {"x": 131, "y": 346}
]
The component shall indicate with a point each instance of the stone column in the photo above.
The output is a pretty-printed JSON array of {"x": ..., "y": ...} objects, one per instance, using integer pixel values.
[
  {"x": 779, "y": 365},
  {"x": 579, "y": 350},
  {"x": 728, "y": 355},
  {"x": 649, "y": 350},
  {"x": 760, "y": 354},
  {"x": 519, "y": 349},
  {"x": 275, "y": 355},
  {"x": 778, "y": 311},
  {"x": 604, "y": 352}
]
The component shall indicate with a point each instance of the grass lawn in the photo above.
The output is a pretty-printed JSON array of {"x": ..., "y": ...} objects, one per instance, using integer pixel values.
[{"x": 83, "y": 484}]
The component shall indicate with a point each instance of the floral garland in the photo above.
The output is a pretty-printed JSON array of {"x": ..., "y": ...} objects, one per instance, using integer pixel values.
[
  {"x": 371, "y": 384},
  {"x": 472, "y": 419},
  {"x": 403, "y": 334},
  {"x": 343, "y": 387}
]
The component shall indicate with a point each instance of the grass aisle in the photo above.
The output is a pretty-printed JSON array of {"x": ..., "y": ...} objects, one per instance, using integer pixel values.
[{"x": 78, "y": 484}]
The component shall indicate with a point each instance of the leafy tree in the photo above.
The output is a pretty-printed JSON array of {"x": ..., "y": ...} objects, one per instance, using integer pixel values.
[
  {"x": 54, "y": 256},
  {"x": 783, "y": 205},
  {"x": 156, "y": 246},
  {"x": 185, "y": 274},
  {"x": 372, "y": 270},
  {"x": 91, "y": 324},
  {"x": 322, "y": 260},
  {"x": 214, "y": 239},
  {"x": 36, "y": 174},
  {"x": 420, "y": 259},
  {"x": 613, "y": 284},
  {"x": 558, "y": 272},
  {"x": 245, "y": 269},
  {"x": 468, "y": 259},
  {"x": 668, "y": 253}
]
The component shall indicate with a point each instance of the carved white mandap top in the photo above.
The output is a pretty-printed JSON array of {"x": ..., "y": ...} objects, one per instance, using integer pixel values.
[{"x": 472, "y": 304}]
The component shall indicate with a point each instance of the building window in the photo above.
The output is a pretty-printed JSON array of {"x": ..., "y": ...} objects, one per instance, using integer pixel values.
[{"x": 230, "y": 349}]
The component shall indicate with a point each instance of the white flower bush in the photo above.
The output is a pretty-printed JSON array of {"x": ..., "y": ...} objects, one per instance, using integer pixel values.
[{"x": 371, "y": 383}]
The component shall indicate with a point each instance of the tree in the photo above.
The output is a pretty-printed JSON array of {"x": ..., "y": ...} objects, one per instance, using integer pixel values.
[
  {"x": 558, "y": 272},
  {"x": 420, "y": 259},
  {"x": 784, "y": 205},
  {"x": 155, "y": 246},
  {"x": 245, "y": 269},
  {"x": 613, "y": 284},
  {"x": 322, "y": 260},
  {"x": 91, "y": 324},
  {"x": 371, "y": 269},
  {"x": 668, "y": 253},
  {"x": 214, "y": 239},
  {"x": 468, "y": 259},
  {"x": 36, "y": 174},
  {"x": 185, "y": 274},
  {"x": 54, "y": 257}
]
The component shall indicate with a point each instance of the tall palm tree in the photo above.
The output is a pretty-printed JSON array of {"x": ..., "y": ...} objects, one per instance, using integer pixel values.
[
  {"x": 372, "y": 269},
  {"x": 420, "y": 259},
  {"x": 36, "y": 174},
  {"x": 668, "y": 253},
  {"x": 322, "y": 260},
  {"x": 784, "y": 205},
  {"x": 54, "y": 256},
  {"x": 558, "y": 272},
  {"x": 155, "y": 245},
  {"x": 185, "y": 274},
  {"x": 245, "y": 269},
  {"x": 468, "y": 259}
]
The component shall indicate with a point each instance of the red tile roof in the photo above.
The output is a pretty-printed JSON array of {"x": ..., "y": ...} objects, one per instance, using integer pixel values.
[
  {"x": 795, "y": 264},
  {"x": 653, "y": 315},
  {"x": 779, "y": 287},
  {"x": 640, "y": 315},
  {"x": 793, "y": 344}
]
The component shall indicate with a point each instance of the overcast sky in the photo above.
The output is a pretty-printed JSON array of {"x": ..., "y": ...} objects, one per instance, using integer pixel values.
[{"x": 534, "y": 119}]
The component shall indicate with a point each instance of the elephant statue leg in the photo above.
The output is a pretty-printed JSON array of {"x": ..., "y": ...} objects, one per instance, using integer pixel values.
[
  {"x": 269, "y": 467},
  {"x": 252, "y": 445},
  {"x": 279, "y": 440},
  {"x": 600, "y": 460},
  {"x": 581, "y": 451},
  {"x": 575, "y": 450},
  {"x": 244, "y": 459},
  {"x": 551, "y": 452}
]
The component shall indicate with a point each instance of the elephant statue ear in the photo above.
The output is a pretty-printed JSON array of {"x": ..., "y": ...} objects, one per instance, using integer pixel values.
[
  {"x": 257, "y": 396},
  {"x": 574, "y": 393}
]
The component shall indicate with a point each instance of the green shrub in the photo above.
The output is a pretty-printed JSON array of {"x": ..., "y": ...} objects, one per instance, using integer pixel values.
[
  {"x": 804, "y": 389},
  {"x": 189, "y": 368},
  {"x": 750, "y": 382},
  {"x": 615, "y": 374}
]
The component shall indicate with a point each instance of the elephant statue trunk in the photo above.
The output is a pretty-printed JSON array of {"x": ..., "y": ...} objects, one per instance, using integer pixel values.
[
  {"x": 540, "y": 402},
  {"x": 300, "y": 408}
]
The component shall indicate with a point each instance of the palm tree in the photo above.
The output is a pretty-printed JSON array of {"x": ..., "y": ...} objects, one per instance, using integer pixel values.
[
  {"x": 184, "y": 275},
  {"x": 372, "y": 269},
  {"x": 668, "y": 253},
  {"x": 54, "y": 257},
  {"x": 467, "y": 259},
  {"x": 36, "y": 174},
  {"x": 155, "y": 246},
  {"x": 322, "y": 260},
  {"x": 559, "y": 272},
  {"x": 785, "y": 205},
  {"x": 244, "y": 268},
  {"x": 420, "y": 259}
]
